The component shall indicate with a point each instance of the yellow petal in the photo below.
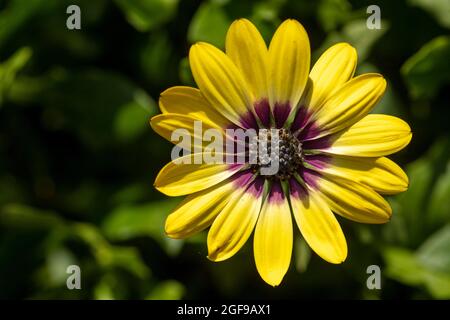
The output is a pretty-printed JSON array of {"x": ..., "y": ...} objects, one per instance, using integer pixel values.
[
  {"x": 375, "y": 135},
  {"x": 319, "y": 226},
  {"x": 354, "y": 201},
  {"x": 380, "y": 174},
  {"x": 181, "y": 179},
  {"x": 289, "y": 59},
  {"x": 220, "y": 81},
  {"x": 247, "y": 49},
  {"x": 235, "y": 223},
  {"x": 350, "y": 103},
  {"x": 190, "y": 101},
  {"x": 197, "y": 211},
  {"x": 166, "y": 124},
  {"x": 335, "y": 67},
  {"x": 273, "y": 238}
]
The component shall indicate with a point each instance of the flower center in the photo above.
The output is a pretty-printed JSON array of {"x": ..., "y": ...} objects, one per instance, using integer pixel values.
[{"x": 282, "y": 153}]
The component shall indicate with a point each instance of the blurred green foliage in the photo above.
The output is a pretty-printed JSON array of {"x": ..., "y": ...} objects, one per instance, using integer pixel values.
[{"x": 78, "y": 158}]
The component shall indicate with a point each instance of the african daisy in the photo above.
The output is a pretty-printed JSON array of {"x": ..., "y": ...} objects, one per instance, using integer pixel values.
[{"x": 331, "y": 150}]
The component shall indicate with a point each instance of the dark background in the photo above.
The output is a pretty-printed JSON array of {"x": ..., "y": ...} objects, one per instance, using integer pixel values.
[{"x": 78, "y": 157}]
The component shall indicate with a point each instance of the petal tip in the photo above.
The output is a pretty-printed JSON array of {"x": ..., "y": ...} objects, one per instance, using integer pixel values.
[
  {"x": 216, "y": 256},
  {"x": 274, "y": 279}
]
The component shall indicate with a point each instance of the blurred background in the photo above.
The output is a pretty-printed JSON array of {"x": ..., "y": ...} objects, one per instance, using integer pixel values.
[{"x": 78, "y": 157}]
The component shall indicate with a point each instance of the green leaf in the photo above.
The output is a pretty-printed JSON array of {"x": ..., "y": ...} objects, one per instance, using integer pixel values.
[
  {"x": 167, "y": 290},
  {"x": 107, "y": 255},
  {"x": 428, "y": 69},
  {"x": 302, "y": 253},
  {"x": 57, "y": 261},
  {"x": 434, "y": 253},
  {"x": 210, "y": 24},
  {"x": 438, "y": 211},
  {"x": 129, "y": 259},
  {"x": 94, "y": 104},
  {"x": 10, "y": 68},
  {"x": 145, "y": 15},
  {"x": 16, "y": 15},
  {"x": 332, "y": 13},
  {"x": 127, "y": 222},
  {"x": 439, "y": 9},
  {"x": 128, "y": 118},
  {"x": 130, "y": 193},
  {"x": 25, "y": 217},
  {"x": 412, "y": 202},
  {"x": 156, "y": 59},
  {"x": 402, "y": 266},
  {"x": 356, "y": 33},
  {"x": 109, "y": 287},
  {"x": 412, "y": 208},
  {"x": 438, "y": 284}
]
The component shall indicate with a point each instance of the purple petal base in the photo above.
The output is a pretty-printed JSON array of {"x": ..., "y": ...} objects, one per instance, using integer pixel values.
[
  {"x": 296, "y": 190},
  {"x": 276, "y": 194},
  {"x": 281, "y": 112},
  {"x": 262, "y": 109}
]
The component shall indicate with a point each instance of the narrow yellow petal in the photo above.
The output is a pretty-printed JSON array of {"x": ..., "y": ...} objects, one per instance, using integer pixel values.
[
  {"x": 181, "y": 179},
  {"x": 350, "y": 103},
  {"x": 197, "y": 211},
  {"x": 381, "y": 174},
  {"x": 335, "y": 67},
  {"x": 273, "y": 238},
  {"x": 235, "y": 223},
  {"x": 289, "y": 61},
  {"x": 375, "y": 135},
  {"x": 166, "y": 124},
  {"x": 247, "y": 49},
  {"x": 354, "y": 201},
  {"x": 190, "y": 101},
  {"x": 319, "y": 226},
  {"x": 220, "y": 82}
]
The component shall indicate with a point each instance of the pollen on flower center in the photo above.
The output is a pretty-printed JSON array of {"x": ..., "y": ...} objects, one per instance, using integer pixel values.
[{"x": 287, "y": 152}]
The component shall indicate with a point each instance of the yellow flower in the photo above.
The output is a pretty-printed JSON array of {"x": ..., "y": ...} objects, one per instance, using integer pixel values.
[{"x": 332, "y": 152}]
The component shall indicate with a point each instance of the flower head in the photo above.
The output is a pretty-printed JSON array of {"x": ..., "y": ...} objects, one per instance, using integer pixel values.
[{"x": 329, "y": 151}]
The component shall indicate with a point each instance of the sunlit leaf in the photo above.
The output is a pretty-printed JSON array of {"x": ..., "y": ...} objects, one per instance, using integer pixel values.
[
  {"x": 167, "y": 290},
  {"x": 401, "y": 265},
  {"x": 434, "y": 253},
  {"x": 57, "y": 262},
  {"x": 440, "y": 9},
  {"x": 302, "y": 253},
  {"x": 108, "y": 288},
  {"x": 438, "y": 284},
  {"x": 9, "y": 69}
]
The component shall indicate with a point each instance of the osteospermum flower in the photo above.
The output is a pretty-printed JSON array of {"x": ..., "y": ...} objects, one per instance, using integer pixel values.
[{"x": 332, "y": 152}]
